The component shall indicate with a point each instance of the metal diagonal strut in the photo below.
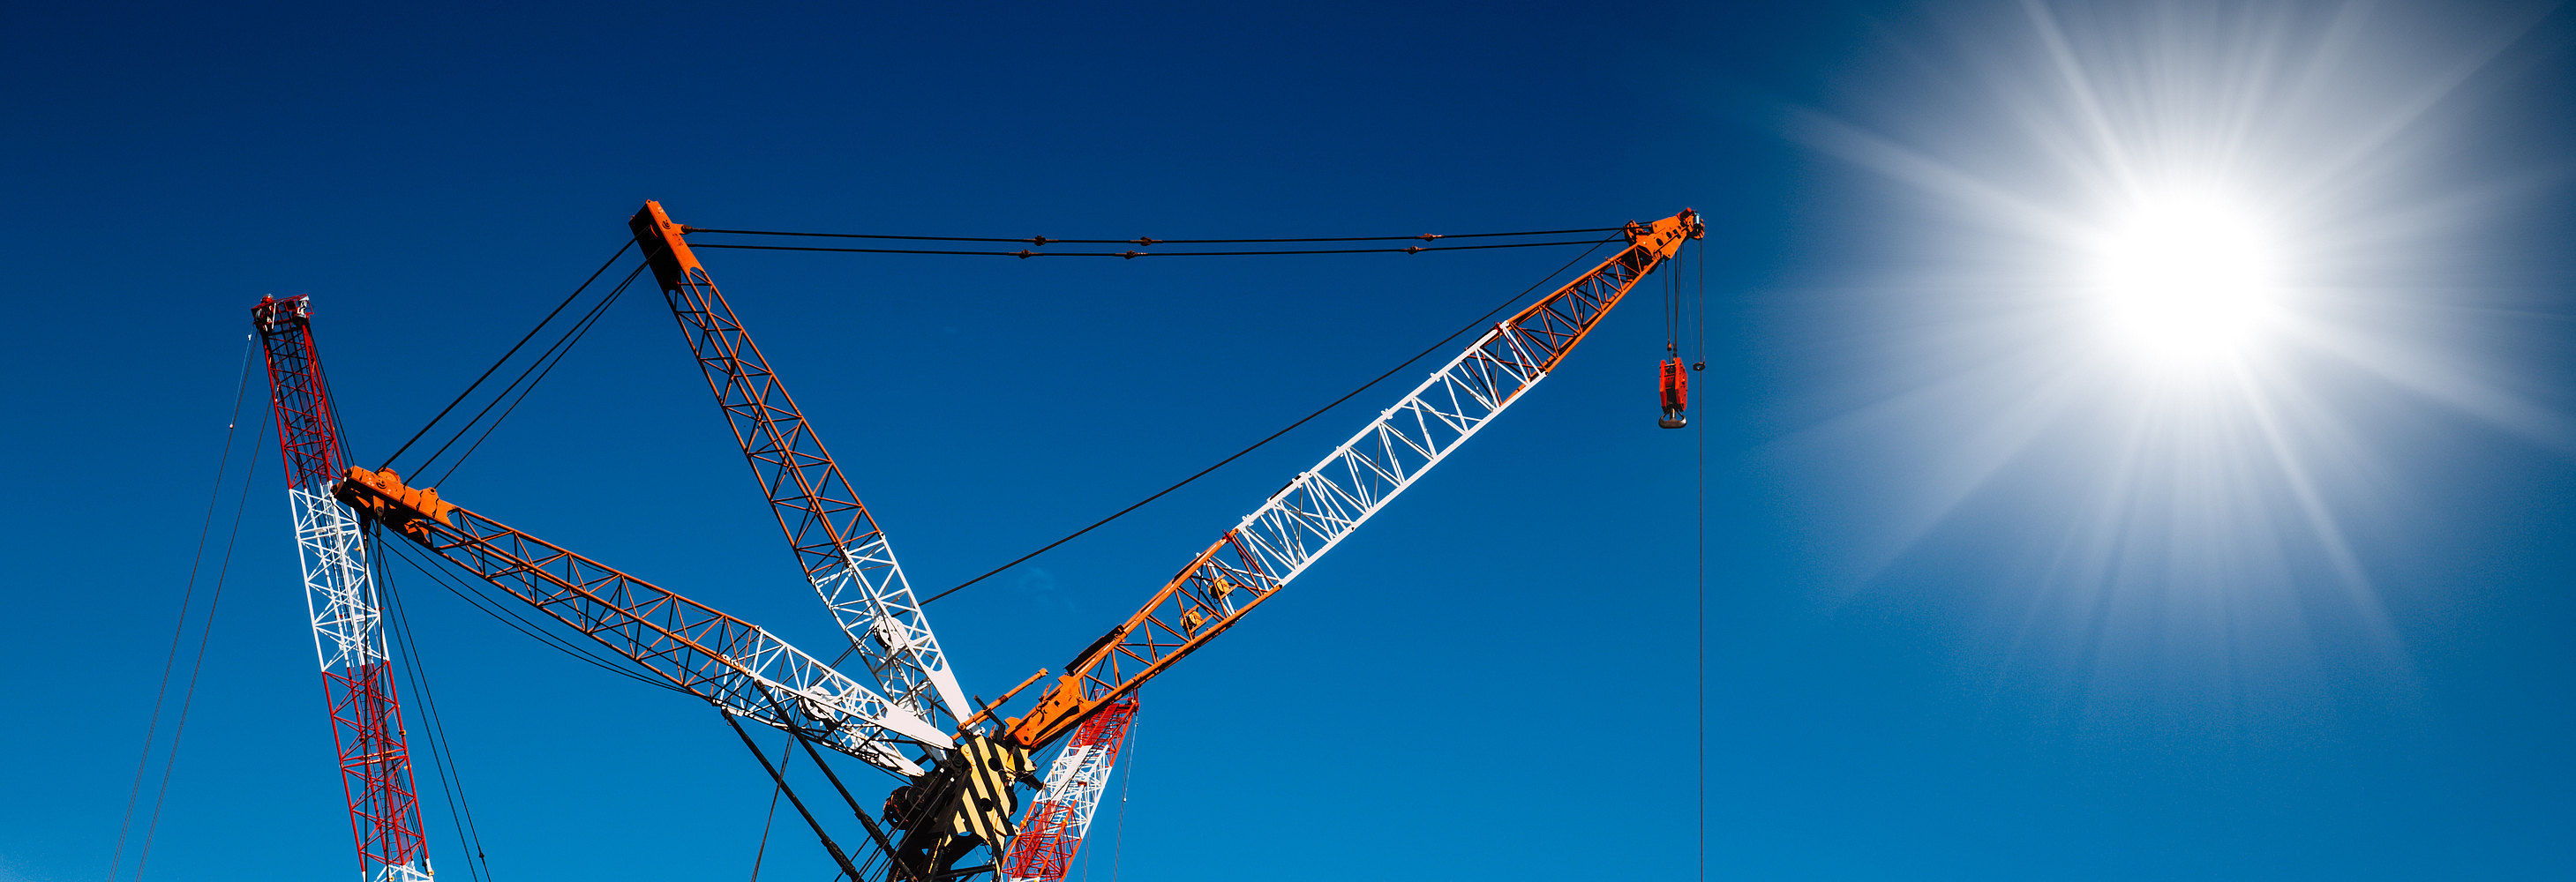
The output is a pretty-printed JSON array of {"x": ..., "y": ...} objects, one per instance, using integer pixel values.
[
  {"x": 340, "y": 599},
  {"x": 837, "y": 543},
  {"x": 1322, "y": 505},
  {"x": 1051, "y": 834},
  {"x": 718, "y": 657}
]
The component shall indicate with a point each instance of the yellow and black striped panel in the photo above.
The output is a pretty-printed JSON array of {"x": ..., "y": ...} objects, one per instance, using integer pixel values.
[{"x": 985, "y": 806}]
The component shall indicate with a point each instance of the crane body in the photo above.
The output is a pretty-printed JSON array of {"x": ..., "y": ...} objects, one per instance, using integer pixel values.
[{"x": 340, "y": 596}]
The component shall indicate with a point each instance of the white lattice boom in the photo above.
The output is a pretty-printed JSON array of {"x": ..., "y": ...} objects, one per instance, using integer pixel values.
[{"x": 837, "y": 542}]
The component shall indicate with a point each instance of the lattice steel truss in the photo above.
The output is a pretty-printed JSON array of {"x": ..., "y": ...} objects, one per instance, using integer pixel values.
[
  {"x": 1322, "y": 505},
  {"x": 726, "y": 660},
  {"x": 837, "y": 543},
  {"x": 340, "y": 597},
  {"x": 1051, "y": 833}
]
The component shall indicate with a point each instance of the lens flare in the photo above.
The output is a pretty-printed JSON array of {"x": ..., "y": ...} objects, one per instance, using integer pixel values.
[
  {"x": 2140, "y": 302},
  {"x": 2185, "y": 281}
]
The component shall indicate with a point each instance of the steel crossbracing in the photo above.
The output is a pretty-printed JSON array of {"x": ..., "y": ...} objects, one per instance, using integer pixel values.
[
  {"x": 1322, "y": 505},
  {"x": 733, "y": 663},
  {"x": 340, "y": 596},
  {"x": 838, "y": 545},
  {"x": 1051, "y": 833}
]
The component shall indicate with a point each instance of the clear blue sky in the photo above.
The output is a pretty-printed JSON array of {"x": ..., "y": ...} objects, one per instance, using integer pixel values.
[{"x": 1992, "y": 592}]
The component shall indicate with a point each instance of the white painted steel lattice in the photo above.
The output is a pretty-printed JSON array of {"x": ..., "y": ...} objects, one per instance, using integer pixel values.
[
  {"x": 340, "y": 601},
  {"x": 1320, "y": 507},
  {"x": 737, "y": 665},
  {"x": 1052, "y": 830},
  {"x": 842, "y": 551}
]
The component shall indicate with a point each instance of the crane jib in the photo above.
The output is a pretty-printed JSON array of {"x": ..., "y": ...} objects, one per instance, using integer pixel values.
[
  {"x": 845, "y": 557},
  {"x": 1307, "y": 518},
  {"x": 694, "y": 646}
]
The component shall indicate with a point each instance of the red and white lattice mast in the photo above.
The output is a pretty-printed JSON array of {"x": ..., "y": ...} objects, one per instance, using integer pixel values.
[
  {"x": 1051, "y": 833},
  {"x": 348, "y": 622}
]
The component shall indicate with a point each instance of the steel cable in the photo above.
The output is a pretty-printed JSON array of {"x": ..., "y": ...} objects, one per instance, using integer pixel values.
[
  {"x": 505, "y": 357},
  {"x": 1025, "y": 253},
  {"x": 1363, "y": 387},
  {"x": 563, "y": 346},
  {"x": 187, "y": 604},
  {"x": 442, "y": 753},
  {"x": 1043, "y": 241},
  {"x": 205, "y": 633}
]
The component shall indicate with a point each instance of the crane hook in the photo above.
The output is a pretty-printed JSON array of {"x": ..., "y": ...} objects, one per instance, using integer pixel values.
[{"x": 1674, "y": 384}]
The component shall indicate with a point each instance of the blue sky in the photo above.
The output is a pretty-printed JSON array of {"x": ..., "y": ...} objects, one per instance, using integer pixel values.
[{"x": 1993, "y": 590}]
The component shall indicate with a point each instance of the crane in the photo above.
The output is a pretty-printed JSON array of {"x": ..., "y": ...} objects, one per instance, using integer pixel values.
[
  {"x": 807, "y": 490},
  {"x": 340, "y": 597},
  {"x": 962, "y": 800}
]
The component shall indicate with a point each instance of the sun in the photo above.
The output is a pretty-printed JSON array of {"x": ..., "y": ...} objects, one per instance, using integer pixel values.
[{"x": 2186, "y": 280}]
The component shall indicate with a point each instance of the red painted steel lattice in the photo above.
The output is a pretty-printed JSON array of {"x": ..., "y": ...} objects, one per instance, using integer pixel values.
[
  {"x": 1051, "y": 834},
  {"x": 366, "y": 713}
]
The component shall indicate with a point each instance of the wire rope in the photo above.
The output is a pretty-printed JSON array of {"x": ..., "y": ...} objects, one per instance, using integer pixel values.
[
  {"x": 1026, "y": 253},
  {"x": 205, "y": 632},
  {"x": 785, "y": 756},
  {"x": 1700, "y": 576},
  {"x": 563, "y": 346},
  {"x": 505, "y": 357},
  {"x": 1148, "y": 240},
  {"x": 187, "y": 604},
  {"x": 1118, "y": 848},
  {"x": 500, "y": 612},
  {"x": 1363, "y": 387},
  {"x": 460, "y": 807}
]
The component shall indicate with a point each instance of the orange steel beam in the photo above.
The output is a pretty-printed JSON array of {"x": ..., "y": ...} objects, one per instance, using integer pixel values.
[
  {"x": 1248, "y": 564},
  {"x": 837, "y": 543},
  {"x": 695, "y": 647}
]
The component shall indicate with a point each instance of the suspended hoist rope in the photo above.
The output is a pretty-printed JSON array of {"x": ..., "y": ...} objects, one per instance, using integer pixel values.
[
  {"x": 1700, "y": 576},
  {"x": 1363, "y": 387},
  {"x": 784, "y": 757}
]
